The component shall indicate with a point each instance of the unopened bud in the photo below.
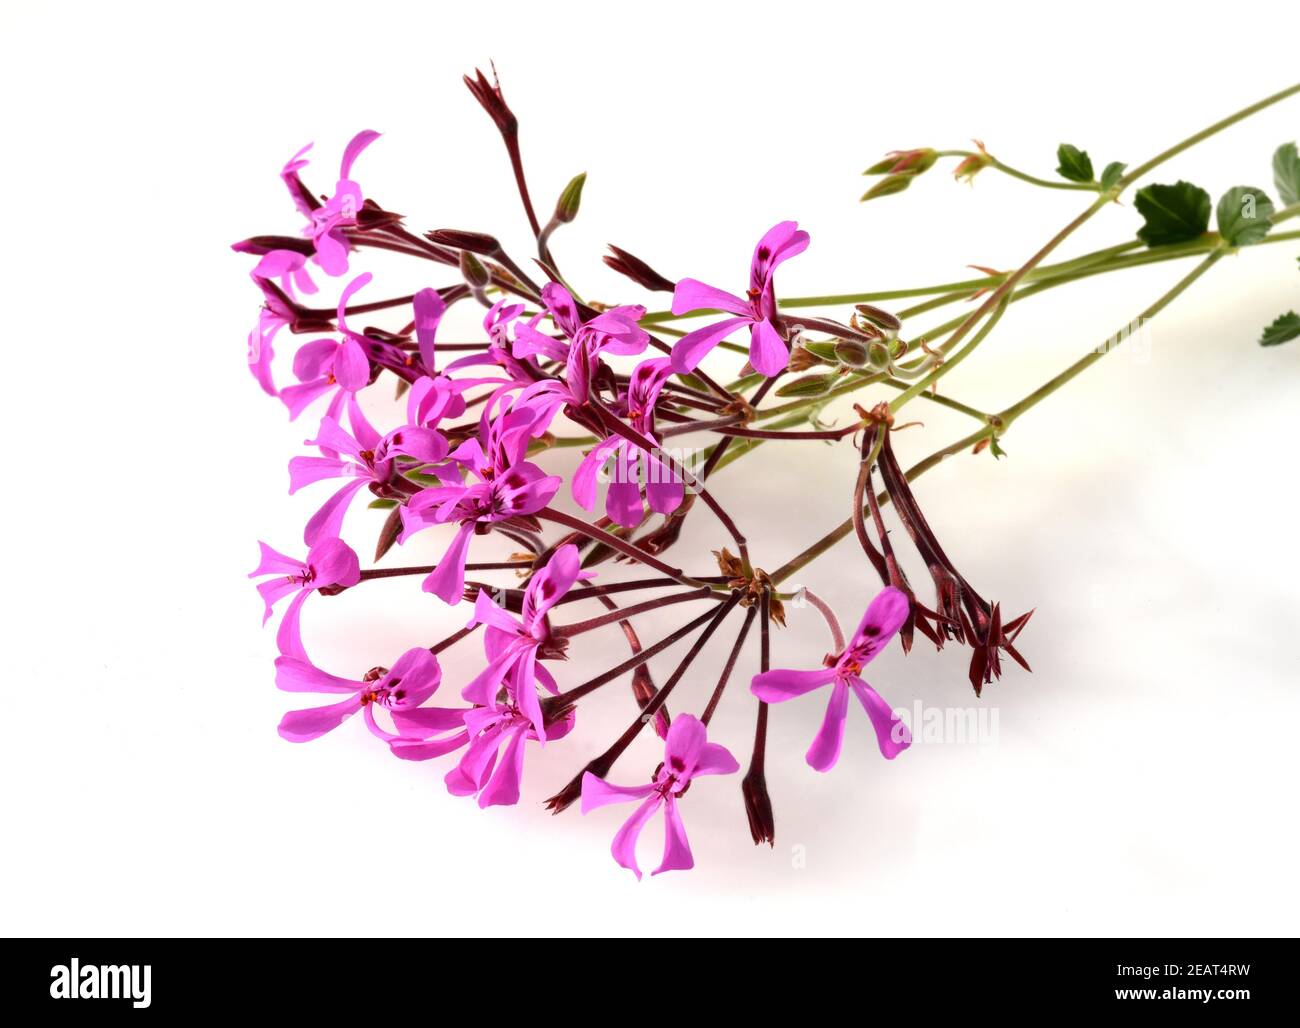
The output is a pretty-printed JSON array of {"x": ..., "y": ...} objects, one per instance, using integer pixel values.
[
  {"x": 566, "y": 208},
  {"x": 808, "y": 385},
  {"x": 851, "y": 352},
  {"x": 889, "y": 185},
  {"x": 886, "y": 323},
  {"x": 912, "y": 162},
  {"x": 878, "y": 355},
  {"x": 474, "y": 242},
  {"x": 638, "y": 271},
  {"x": 473, "y": 270}
]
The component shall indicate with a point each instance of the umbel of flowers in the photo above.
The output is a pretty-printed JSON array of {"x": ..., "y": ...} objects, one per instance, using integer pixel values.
[{"x": 613, "y": 384}]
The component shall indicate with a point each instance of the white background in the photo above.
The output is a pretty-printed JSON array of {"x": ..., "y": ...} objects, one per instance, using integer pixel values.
[{"x": 1143, "y": 780}]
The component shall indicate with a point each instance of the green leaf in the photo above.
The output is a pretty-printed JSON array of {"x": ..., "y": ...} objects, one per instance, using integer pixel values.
[
  {"x": 1286, "y": 174},
  {"x": 1285, "y": 328},
  {"x": 382, "y": 504},
  {"x": 1243, "y": 215},
  {"x": 1111, "y": 174},
  {"x": 808, "y": 385},
  {"x": 1073, "y": 164},
  {"x": 1173, "y": 214}
]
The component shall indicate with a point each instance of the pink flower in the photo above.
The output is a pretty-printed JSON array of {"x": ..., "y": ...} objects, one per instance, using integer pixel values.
[
  {"x": 290, "y": 268},
  {"x": 330, "y": 563},
  {"x": 633, "y": 466},
  {"x": 880, "y": 623},
  {"x": 508, "y": 486},
  {"x": 613, "y": 331},
  {"x": 429, "y": 308},
  {"x": 498, "y": 322},
  {"x": 687, "y": 755},
  {"x": 513, "y": 647},
  {"x": 402, "y": 689},
  {"x": 325, "y": 365},
  {"x": 367, "y": 459},
  {"x": 767, "y": 350},
  {"x": 339, "y": 211},
  {"x": 486, "y": 769}
]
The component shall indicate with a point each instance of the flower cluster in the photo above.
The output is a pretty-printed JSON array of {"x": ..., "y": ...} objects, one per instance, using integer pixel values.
[{"x": 464, "y": 460}]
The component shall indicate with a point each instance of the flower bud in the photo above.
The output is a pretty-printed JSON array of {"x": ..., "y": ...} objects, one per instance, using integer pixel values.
[
  {"x": 851, "y": 352},
  {"x": 886, "y": 323},
  {"x": 974, "y": 164},
  {"x": 474, "y": 242},
  {"x": 638, "y": 271},
  {"x": 888, "y": 186},
  {"x": 808, "y": 385},
  {"x": 878, "y": 356},
  {"x": 566, "y": 208},
  {"x": 473, "y": 270},
  {"x": 913, "y": 162}
]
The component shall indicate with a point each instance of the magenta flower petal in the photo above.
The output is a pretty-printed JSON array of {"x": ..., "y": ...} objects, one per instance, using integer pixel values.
[
  {"x": 304, "y": 471},
  {"x": 274, "y": 562},
  {"x": 694, "y": 347},
  {"x": 423, "y": 444},
  {"x": 429, "y": 309},
  {"x": 891, "y": 732},
  {"x": 292, "y": 674},
  {"x": 503, "y": 788},
  {"x": 781, "y": 242},
  {"x": 327, "y": 522},
  {"x": 305, "y": 725},
  {"x": 624, "y": 845},
  {"x": 693, "y": 295},
  {"x": 352, "y": 366},
  {"x": 299, "y": 397},
  {"x": 715, "y": 759},
  {"x": 825, "y": 748},
  {"x": 549, "y": 585},
  {"x": 447, "y": 581},
  {"x": 423, "y": 722},
  {"x": 664, "y": 488},
  {"x": 767, "y": 351},
  {"x": 583, "y": 485},
  {"x": 780, "y": 685},
  {"x": 412, "y": 679},
  {"x": 677, "y": 850},
  {"x": 334, "y": 563},
  {"x": 524, "y": 692},
  {"x": 354, "y": 149},
  {"x": 333, "y": 437},
  {"x": 623, "y": 494},
  {"x": 884, "y": 617},
  {"x": 684, "y": 744},
  {"x": 426, "y": 749},
  {"x": 596, "y": 792},
  {"x": 288, "y": 638}
]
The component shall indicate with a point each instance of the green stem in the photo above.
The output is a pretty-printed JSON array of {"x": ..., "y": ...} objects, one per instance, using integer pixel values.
[
  {"x": 1204, "y": 134},
  {"x": 999, "y": 423},
  {"x": 1009, "y": 415},
  {"x": 1034, "y": 180},
  {"x": 921, "y": 385}
]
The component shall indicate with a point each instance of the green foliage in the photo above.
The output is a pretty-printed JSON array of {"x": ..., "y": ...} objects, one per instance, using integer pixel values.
[
  {"x": 1172, "y": 213},
  {"x": 1244, "y": 215},
  {"x": 1073, "y": 164},
  {"x": 1284, "y": 328},
  {"x": 1286, "y": 173}
]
